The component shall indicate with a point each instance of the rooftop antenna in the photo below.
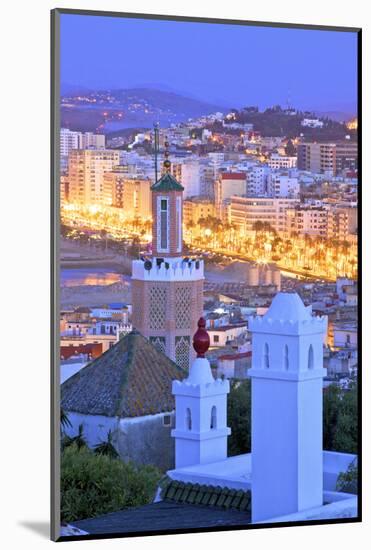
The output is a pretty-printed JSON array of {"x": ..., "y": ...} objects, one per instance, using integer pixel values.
[{"x": 156, "y": 143}]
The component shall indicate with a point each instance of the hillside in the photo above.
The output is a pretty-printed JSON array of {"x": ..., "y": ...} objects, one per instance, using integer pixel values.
[{"x": 110, "y": 110}]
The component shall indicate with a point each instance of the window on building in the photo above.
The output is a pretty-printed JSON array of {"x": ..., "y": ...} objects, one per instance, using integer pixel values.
[
  {"x": 266, "y": 356},
  {"x": 188, "y": 419},
  {"x": 163, "y": 221},
  {"x": 166, "y": 420},
  {"x": 213, "y": 418},
  {"x": 310, "y": 357},
  {"x": 216, "y": 338},
  {"x": 286, "y": 358}
]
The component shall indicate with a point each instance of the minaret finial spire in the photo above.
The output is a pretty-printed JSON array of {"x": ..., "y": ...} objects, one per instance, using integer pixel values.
[
  {"x": 167, "y": 163},
  {"x": 201, "y": 339}
]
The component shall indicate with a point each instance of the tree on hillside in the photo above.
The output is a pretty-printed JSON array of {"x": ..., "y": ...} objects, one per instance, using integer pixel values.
[{"x": 290, "y": 149}]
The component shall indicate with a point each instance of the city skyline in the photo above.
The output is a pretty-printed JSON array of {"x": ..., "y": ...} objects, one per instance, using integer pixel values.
[{"x": 237, "y": 66}]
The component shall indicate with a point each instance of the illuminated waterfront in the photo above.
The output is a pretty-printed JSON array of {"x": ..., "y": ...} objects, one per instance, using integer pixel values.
[{"x": 312, "y": 257}]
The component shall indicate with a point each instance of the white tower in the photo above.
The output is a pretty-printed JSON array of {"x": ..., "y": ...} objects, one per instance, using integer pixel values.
[
  {"x": 201, "y": 430},
  {"x": 287, "y": 372}
]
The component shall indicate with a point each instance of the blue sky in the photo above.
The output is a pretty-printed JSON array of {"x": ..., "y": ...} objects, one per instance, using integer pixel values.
[{"x": 231, "y": 65}]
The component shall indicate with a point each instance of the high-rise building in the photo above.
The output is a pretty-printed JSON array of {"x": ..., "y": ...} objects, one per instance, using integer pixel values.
[
  {"x": 187, "y": 173},
  {"x": 167, "y": 289},
  {"x": 132, "y": 194},
  {"x": 227, "y": 185},
  {"x": 196, "y": 209},
  {"x": 70, "y": 140},
  {"x": 283, "y": 185},
  {"x": 245, "y": 212},
  {"x": 307, "y": 220},
  {"x": 319, "y": 158},
  {"x": 93, "y": 141},
  {"x": 346, "y": 156},
  {"x": 277, "y": 162},
  {"x": 86, "y": 168},
  {"x": 257, "y": 180},
  {"x": 328, "y": 158},
  {"x": 328, "y": 222}
]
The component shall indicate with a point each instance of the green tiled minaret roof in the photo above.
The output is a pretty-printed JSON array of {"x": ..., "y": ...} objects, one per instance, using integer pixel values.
[{"x": 167, "y": 183}]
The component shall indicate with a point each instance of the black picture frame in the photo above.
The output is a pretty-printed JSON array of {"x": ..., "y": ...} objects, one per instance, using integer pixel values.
[{"x": 54, "y": 249}]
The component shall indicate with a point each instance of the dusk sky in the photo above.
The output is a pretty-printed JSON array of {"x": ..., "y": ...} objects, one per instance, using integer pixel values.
[{"x": 230, "y": 65}]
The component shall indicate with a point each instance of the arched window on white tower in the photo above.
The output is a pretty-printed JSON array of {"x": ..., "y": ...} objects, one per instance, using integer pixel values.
[
  {"x": 213, "y": 418},
  {"x": 310, "y": 357},
  {"x": 188, "y": 419},
  {"x": 286, "y": 357},
  {"x": 266, "y": 356}
]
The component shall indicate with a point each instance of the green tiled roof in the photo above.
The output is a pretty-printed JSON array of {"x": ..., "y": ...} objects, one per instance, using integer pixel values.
[
  {"x": 167, "y": 183},
  {"x": 206, "y": 495},
  {"x": 130, "y": 379}
]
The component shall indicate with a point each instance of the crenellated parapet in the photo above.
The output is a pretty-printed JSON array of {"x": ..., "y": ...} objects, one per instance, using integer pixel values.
[
  {"x": 269, "y": 325},
  {"x": 205, "y": 389},
  {"x": 168, "y": 269}
]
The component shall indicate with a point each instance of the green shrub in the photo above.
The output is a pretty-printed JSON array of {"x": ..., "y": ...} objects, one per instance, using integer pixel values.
[
  {"x": 94, "y": 484},
  {"x": 340, "y": 419},
  {"x": 239, "y": 417},
  {"x": 347, "y": 482}
]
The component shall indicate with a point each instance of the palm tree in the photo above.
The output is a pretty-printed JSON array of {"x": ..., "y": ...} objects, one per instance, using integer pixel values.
[
  {"x": 78, "y": 440},
  {"x": 190, "y": 226},
  {"x": 106, "y": 447},
  {"x": 65, "y": 421}
]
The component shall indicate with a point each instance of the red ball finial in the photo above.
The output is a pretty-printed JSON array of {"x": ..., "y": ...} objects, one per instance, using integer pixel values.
[{"x": 201, "y": 339}]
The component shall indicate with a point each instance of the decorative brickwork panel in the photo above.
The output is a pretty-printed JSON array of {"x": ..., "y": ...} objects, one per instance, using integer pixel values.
[
  {"x": 157, "y": 308},
  {"x": 137, "y": 290},
  {"x": 183, "y": 307},
  {"x": 159, "y": 342},
  {"x": 182, "y": 346}
]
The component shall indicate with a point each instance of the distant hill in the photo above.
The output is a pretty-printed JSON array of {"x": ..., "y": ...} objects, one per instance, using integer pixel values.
[
  {"x": 73, "y": 89},
  {"x": 110, "y": 110},
  {"x": 339, "y": 116},
  {"x": 278, "y": 122}
]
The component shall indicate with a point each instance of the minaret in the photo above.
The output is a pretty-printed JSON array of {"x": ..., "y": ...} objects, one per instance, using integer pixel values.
[
  {"x": 167, "y": 289},
  {"x": 287, "y": 383},
  {"x": 201, "y": 430},
  {"x": 167, "y": 213}
]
